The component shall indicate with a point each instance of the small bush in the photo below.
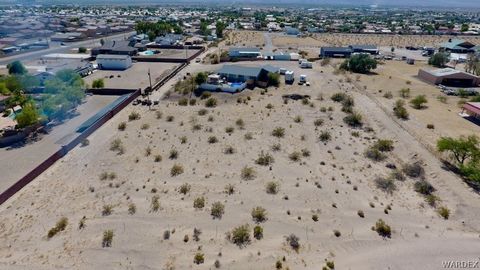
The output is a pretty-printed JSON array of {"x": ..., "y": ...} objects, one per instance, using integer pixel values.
[
  {"x": 199, "y": 203},
  {"x": 272, "y": 187},
  {"x": 400, "y": 111},
  {"x": 248, "y": 136},
  {"x": 212, "y": 139},
  {"x": 325, "y": 136},
  {"x": 107, "y": 210},
  {"x": 259, "y": 214},
  {"x": 132, "y": 209},
  {"x": 229, "y": 150},
  {"x": 385, "y": 184},
  {"x": 430, "y": 126},
  {"x": 117, "y": 146},
  {"x": 107, "y": 238},
  {"x": 184, "y": 188},
  {"x": 276, "y": 147},
  {"x": 240, "y": 235},
  {"x": 384, "y": 145},
  {"x": 444, "y": 212},
  {"x": 293, "y": 241},
  {"x": 145, "y": 126},
  {"x": 122, "y": 126},
  {"x": 60, "y": 226},
  {"x": 278, "y": 132},
  {"x": 217, "y": 210},
  {"x": 360, "y": 213},
  {"x": 419, "y": 102},
  {"x": 414, "y": 170},
  {"x": 240, "y": 123},
  {"x": 318, "y": 122},
  {"x": 298, "y": 119},
  {"x": 375, "y": 154},
  {"x": 295, "y": 156},
  {"x": 432, "y": 200},
  {"x": 211, "y": 102},
  {"x": 247, "y": 173},
  {"x": 388, "y": 95},
  {"x": 330, "y": 264},
  {"x": 264, "y": 159},
  {"x": 183, "y": 102},
  {"x": 305, "y": 152},
  {"x": 338, "y": 97},
  {"x": 170, "y": 118},
  {"x": 199, "y": 258},
  {"x": 202, "y": 112},
  {"x": 133, "y": 116},
  {"x": 383, "y": 229},
  {"x": 157, "y": 158},
  {"x": 176, "y": 170},
  {"x": 405, "y": 92},
  {"x": 354, "y": 119},
  {"x": 315, "y": 217},
  {"x": 258, "y": 232},
  {"x": 423, "y": 187},
  {"x": 229, "y": 189},
  {"x": 229, "y": 130}
]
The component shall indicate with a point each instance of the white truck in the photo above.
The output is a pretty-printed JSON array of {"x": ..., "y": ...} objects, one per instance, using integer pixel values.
[
  {"x": 289, "y": 77},
  {"x": 303, "y": 79},
  {"x": 306, "y": 64},
  {"x": 283, "y": 71}
]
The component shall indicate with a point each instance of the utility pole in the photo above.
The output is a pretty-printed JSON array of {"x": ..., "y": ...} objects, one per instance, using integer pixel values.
[{"x": 151, "y": 90}]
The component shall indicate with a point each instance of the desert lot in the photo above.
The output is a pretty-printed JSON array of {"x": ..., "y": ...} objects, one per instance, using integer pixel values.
[{"x": 175, "y": 154}]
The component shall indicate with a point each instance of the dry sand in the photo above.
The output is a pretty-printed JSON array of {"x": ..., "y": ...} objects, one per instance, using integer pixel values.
[{"x": 420, "y": 239}]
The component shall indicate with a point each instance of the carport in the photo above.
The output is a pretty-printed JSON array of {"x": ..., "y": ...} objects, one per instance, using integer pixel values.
[{"x": 450, "y": 77}]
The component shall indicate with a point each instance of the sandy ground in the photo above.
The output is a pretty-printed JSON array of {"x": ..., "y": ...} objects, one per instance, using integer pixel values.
[
  {"x": 420, "y": 239},
  {"x": 245, "y": 39},
  {"x": 32, "y": 153},
  {"x": 134, "y": 77}
]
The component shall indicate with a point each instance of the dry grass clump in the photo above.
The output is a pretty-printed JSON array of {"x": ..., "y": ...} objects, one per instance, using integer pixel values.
[
  {"x": 217, "y": 210},
  {"x": 107, "y": 238},
  {"x": 155, "y": 204},
  {"x": 444, "y": 212},
  {"x": 353, "y": 119},
  {"x": 272, "y": 187},
  {"x": 117, "y": 146},
  {"x": 374, "y": 154},
  {"x": 184, "y": 188},
  {"x": 132, "y": 208},
  {"x": 122, "y": 126},
  {"x": 385, "y": 184},
  {"x": 229, "y": 150},
  {"x": 240, "y": 123},
  {"x": 173, "y": 154},
  {"x": 199, "y": 258},
  {"x": 278, "y": 132},
  {"x": 325, "y": 136},
  {"x": 295, "y": 156},
  {"x": 176, "y": 170},
  {"x": 264, "y": 159},
  {"x": 383, "y": 229},
  {"x": 199, "y": 203},
  {"x": 229, "y": 189},
  {"x": 293, "y": 241},
  {"x": 133, "y": 116},
  {"x": 258, "y": 232},
  {"x": 259, "y": 214},
  {"x": 423, "y": 187},
  {"x": 107, "y": 210},
  {"x": 240, "y": 235},
  {"x": 318, "y": 122},
  {"x": 414, "y": 170},
  {"x": 60, "y": 226},
  {"x": 211, "y": 102},
  {"x": 248, "y": 173},
  {"x": 212, "y": 139}
]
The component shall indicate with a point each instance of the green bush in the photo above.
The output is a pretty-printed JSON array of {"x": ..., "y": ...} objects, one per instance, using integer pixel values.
[
  {"x": 354, "y": 119},
  {"x": 199, "y": 258},
  {"x": 385, "y": 184},
  {"x": 217, "y": 210},
  {"x": 247, "y": 173},
  {"x": 400, "y": 111},
  {"x": 176, "y": 170},
  {"x": 383, "y": 229},
  {"x": 258, "y": 232},
  {"x": 423, "y": 187},
  {"x": 199, "y": 203},
  {"x": 240, "y": 235},
  {"x": 211, "y": 102},
  {"x": 259, "y": 214},
  {"x": 293, "y": 241},
  {"x": 60, "y": 226},
  {"x": 444, "y": 212},
  {"x": 419, "y": 102},
  {"x": 264, "y": 159},
  {"x": 360, "y": 63},
  {"x": 107, "y": 238},
  {"x": 439, "y": 59},
  {"x": 278, "y": 132},
  {"x": 98, "y": 83}
]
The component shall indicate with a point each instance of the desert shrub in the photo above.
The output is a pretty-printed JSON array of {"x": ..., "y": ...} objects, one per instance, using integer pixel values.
[
  {"x": 305, "y": 152},
  {"x": 205, "y": 95},
  {"x": 400, "y": 111},
  {"x": 122, "y": 126},
  {"x": 229, "y": 130},
  {"x": 258, "y": 232},
  {"x": 61, "y": 225},
  {"x": 325, "y": 136},
  {"x": 176, "y": 170},
  {"x": 170, "y": 118},
  {"x": 117, "y": 146},
  {"x": 107, "y": 238},
  {"x": 240, "y": 235},
  {"x": 298, "y": 119},
  {"x": 444, "y": 212},
  {"x": 183, "y": 102},
  {"x": 325, "y": 61},
  {"x": 272, "y": 187},
  {"x": 347, "y": 104},
  {"x": 199, "y": 203},
  {"x": 432, "y": 199},
  {"x": 360, "y": 63},
  {"x": 397, "y": 175},
  {"x": 354, "y": 119},
  {"x": 212, "y": 139},
  {"x": 202, "y": 112},
  {"x": 442, "y": 99},
  {"x": 360, "y": 213},
  {"x": 423, "y": 187},
  {"x": 132, "y": 208},
  {"x": 166, "y": 235},
  {"x": 229, "y": 189},
  {"x": 278, "y": 132},
  {"x": 217, "y": 264},
  {"x": 419, "y": 102},
  {"x": 318, "y": 122},
  {"x": 229, "y": 150},
  {"x": 338, "y": 97},
  {"x": 374, "y": 154},
  {"x": 330, "y": 264},
  {"x": 196, "y": 234},
  {"x": 383, "y": 229},
  {"x": 294, "y": 156},
  {"x": 240, "y": 123},
  {"x": 157, "y": 158},
  {"x": 259, "y": 214},
  {"x": 211, "y": 102},
  {"x": 388, "y": 95},
  {"x": 107, "y": 210},
  {"x": 439, "y": 60},
  {"x": 248, "y": 136},
  {"x": 384, "y": 145},
  {"x": 199, "y": 258},
  {"x": 217, "y": 210},
  {"x": 276, "y": 147},
  {"x": 193, "y": 102},
  {"x": 247, "y": 173},
  {"x": 148, "y": 151},
  {"x": 404, "y": 92},
  {"x": 158, "y": 114},
  {"x": 414, "y": 170},
  {"x": 183, "y": 139},
  {"x": 385, "y": 184},
  {"x": 133, "y": 116},
  {"x": 269, "y": 106},
  {"x": 264, "y": 159},
  {"x": 293, "y": 241},
  {"x": 184, "y": 188}
]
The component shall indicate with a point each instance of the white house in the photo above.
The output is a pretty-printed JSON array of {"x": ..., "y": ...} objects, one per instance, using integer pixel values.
[{"x": 114, "y": 61}]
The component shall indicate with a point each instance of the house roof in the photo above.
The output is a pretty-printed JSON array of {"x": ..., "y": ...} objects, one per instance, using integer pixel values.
[
  {"x": 363, "y": 47},
  {"x": 337, "y": 49},
  {"x": 245, "y": 49},
  {"x": 457, "y": 44},
  {"x": 112, "y": 56},
  {"x": 472, "y": 107}
]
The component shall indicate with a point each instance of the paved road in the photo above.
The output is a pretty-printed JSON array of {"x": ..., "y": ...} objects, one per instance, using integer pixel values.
[
  {"x": 56, "y": 48},
  {"x": 268, "y": 43}
]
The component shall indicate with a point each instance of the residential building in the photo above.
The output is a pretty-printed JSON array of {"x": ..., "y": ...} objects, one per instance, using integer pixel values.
[
  {"x": 244, "y": 53},
  {"x": 114, "y": 62},
  {"x": 449, "y": 77}
]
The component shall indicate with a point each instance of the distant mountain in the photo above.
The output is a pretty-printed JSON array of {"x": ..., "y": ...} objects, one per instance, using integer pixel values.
[{"x": 379, "y": 3}]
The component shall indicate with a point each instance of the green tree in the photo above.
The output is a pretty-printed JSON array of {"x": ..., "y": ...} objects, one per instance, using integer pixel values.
[
  {"x": 220, "y": 26},
  {"x": 360, "y": 63},
  {"x": 461, "y": 149},
  {"x": 200, "y": 78},
  {"x": 204, "y": 28},
  {"x": 98, "y": 83},
  {"x": 3, "y": 89},
  {"x": 439, "y": 59},
  {"x": 273, "y": 79},
  {"x": 16, "y": 68},
  {"x": 419, "y": 102},
  {"x": 28, "y": 116},
  {"x": 464, "y": 27},
  {"x": 82, "y": 50}
]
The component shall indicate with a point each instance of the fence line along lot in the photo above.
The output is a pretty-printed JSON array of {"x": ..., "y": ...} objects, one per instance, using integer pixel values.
[
  {"x": 17, "y": 161},
  {"x": 133, "y": 78}
]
